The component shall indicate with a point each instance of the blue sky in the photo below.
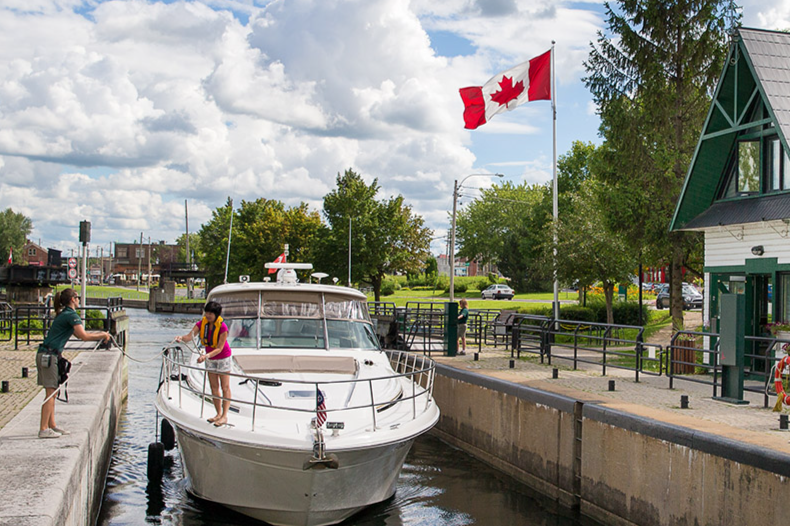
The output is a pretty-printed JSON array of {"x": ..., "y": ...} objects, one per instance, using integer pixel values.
[{"x": 118, "y": 111}]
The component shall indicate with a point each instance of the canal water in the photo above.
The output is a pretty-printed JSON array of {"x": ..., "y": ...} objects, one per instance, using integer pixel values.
[{"x": 439, "y": 485}]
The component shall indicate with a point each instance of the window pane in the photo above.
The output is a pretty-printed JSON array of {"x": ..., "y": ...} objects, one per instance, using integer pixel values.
[
  {"x": 749, "y": 166},
  {"x": 786, "y": 185},
  {"x": 784, "y": 295},
  {"x": 238, "y": 304},
  {"x": 774, "y": 166}
]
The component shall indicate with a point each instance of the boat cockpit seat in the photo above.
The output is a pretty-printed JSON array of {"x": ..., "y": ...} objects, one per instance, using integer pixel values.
[{"x": 272, "y": 363}]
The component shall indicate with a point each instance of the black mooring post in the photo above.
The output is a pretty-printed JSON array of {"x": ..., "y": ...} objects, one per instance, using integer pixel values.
[
  {"x": 684, "y": 401},
  {"x": 783, "y": 422},
  {"x": 24, "y": 372},
  {"x": 555, "y": 373},
  {"x": 5, "y": 387},
  {"x": 611, "y": 385}
]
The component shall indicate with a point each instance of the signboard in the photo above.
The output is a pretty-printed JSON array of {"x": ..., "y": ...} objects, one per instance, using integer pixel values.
[
  {"x": 72, "y": 273},
  {"x": 72, "y": 262}
]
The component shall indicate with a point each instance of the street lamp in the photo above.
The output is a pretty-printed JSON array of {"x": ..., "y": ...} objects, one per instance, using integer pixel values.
[{"x": 452, "y": 242}]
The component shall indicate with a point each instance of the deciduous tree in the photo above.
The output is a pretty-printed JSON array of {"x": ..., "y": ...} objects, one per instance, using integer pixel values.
[
  {"x": 386, "y": 236},
  {"x": 14, "y": 229}
]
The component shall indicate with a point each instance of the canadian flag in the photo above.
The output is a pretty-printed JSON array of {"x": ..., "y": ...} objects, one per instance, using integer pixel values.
[
  {"x": 506, "y": 90},
  {"x": 280, "y": 259},
  {"x": 10, "y": 253}
]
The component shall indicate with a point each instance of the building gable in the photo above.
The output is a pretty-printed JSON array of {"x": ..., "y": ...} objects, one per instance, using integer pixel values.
[{"x": 749, "y": 115}]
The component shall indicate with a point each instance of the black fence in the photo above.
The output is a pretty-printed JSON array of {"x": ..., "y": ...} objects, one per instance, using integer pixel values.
[{"x": 31, "y": 323}]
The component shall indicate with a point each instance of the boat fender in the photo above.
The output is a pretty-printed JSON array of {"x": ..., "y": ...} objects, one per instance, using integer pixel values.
[
  {"x": 781, "y": 396},
  {"x": 156, "y": 461},
  {"x": 168, "y": 435}
]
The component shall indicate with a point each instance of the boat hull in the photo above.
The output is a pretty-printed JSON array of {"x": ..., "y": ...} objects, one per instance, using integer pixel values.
[{"x": 280, "y": 487}]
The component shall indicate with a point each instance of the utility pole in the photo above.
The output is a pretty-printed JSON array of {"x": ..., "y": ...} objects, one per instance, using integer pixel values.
[
  {"x": 139, "y": 254},
  {"x": 349, "y": 251},
  {"x": 149, "y": 263},
  {"x": 189, "y": 254}
]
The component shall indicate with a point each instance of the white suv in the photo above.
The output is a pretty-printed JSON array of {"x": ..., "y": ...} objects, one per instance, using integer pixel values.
[{"x": 498, "y": 292}]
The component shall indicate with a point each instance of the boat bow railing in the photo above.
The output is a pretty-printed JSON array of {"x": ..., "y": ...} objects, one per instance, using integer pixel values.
[{"x": 418, "y": 370}]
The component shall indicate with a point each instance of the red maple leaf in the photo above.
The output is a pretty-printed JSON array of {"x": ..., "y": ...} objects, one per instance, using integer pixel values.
[{"x": 508, "y": 91}]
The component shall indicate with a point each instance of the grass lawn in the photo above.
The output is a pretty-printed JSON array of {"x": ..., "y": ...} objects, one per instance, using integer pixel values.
[{"x": 98, "y": 291}]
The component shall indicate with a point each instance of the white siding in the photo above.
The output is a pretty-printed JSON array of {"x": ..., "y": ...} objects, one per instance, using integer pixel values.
[{"x": 723, "y": 249}]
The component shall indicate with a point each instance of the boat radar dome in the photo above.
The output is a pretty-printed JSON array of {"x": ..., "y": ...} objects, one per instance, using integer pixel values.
[{"x": 287, "y": 272}]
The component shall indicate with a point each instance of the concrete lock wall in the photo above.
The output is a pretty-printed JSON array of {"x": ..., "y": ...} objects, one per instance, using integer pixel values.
[
  {"x": 624, "y": 469},
  {"x": 61, "y": 481}
]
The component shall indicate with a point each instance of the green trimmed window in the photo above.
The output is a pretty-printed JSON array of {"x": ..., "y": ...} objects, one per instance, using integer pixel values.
[{"x": 758, "y": 165}]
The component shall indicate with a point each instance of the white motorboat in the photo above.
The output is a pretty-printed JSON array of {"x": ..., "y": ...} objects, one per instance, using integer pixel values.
[{"x": 281, "y": 458}]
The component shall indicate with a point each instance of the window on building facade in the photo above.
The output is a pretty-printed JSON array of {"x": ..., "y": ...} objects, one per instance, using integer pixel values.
[
  {"x": 31, "y": 252},
  {"x": 777, "y": 166},
  {"x": 121, "y": 252},
  {"x": 139, "y": 252}
]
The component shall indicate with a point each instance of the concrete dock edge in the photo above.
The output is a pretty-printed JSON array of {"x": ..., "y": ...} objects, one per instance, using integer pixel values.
[
  {"x": 61, "y": 481},
  {"x": 613, "y": 466}
]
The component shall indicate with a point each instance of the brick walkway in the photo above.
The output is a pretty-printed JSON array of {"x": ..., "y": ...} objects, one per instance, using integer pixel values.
[{"x": 21, "y": 390}]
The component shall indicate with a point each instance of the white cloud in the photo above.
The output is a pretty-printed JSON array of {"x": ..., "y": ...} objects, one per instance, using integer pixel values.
[{"x": 188, "y": 100}]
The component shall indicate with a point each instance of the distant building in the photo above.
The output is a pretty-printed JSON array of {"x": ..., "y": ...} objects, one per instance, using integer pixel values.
[
  {"x": 133, "y": 258},
  {"x": 464, "y": 267},
  {"x": 34, "y": 254}
]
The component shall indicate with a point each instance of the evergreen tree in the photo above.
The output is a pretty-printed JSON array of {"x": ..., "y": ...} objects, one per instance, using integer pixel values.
[{"x": 652, "y": 78}]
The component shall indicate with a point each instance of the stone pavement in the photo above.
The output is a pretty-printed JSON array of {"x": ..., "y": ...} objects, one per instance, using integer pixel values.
[
  {"x": 650, "y": 398},
  {"x": 22, "y": 390}
]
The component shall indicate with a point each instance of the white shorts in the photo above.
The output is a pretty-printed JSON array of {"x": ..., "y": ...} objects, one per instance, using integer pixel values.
[{"x": 218, "y": 366}]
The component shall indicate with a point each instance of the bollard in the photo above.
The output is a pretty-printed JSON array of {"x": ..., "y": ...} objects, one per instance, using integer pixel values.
[
  {"x": 783, "y": 422},
  {"x": 611, "y": 385},
  {"x": 684, "y": 401},
  {"x": 477, "y": 356},
  {"x": 5, "y": 387},
  {"x": 512, "y": 364},
  {"x": 555, "y": 373},
  {"x": 24, "y": 372}
]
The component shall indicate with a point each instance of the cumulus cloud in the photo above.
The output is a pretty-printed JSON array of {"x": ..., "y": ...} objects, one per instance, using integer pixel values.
[{"x": 117, "y": 111}]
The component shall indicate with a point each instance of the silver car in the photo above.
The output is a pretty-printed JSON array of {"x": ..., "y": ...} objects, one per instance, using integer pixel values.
[{"x": 498, "y": 292}]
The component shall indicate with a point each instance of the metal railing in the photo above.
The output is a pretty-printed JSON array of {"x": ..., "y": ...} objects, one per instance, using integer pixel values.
[
  {"x": 762, "y": 354},
  {"x": 32, "y": 322},
  {"x": 6, "y": 321},
  {"x": 689, "y": 351},
  {"x": 604, "y": 345},
  {"x": 418, "y": 370}
]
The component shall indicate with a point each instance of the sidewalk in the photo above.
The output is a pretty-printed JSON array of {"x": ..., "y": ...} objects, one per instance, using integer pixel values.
[{"x": 650, "y": 398}]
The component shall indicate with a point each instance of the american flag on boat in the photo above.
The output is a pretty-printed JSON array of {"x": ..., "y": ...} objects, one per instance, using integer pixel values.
[{"x": 320, "y": 409}]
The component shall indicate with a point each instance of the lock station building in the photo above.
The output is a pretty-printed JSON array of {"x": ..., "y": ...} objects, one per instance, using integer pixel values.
[{"x": 737, "y": 190}]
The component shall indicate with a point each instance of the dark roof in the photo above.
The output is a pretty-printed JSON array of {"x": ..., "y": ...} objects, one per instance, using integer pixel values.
[
  {"x": 739, "y": 211},
  {"x": 769, "y": 52}
]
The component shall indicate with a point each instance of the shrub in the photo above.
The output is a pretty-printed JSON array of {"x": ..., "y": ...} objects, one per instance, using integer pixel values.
[
  {"x": 482, "y": 284},
  {"x": 493, "y": 279},
  {"x": 577, "y": 313},
  {"x": 459, "y": 286},
  {"x": 94, "y": 320},
  {"x": 30, "y": 326},
  {"x": 442, "y": 283}
]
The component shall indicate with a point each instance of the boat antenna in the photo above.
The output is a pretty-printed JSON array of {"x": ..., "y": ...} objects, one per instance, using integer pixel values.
[{"x": 230, "y": 233}]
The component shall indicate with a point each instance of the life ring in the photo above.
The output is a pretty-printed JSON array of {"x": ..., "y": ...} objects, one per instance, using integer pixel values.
[{"x": 781, "y": 396}]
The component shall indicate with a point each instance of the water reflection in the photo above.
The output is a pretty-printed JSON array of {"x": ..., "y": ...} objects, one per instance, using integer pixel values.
[{"x": 439, "y": 485}]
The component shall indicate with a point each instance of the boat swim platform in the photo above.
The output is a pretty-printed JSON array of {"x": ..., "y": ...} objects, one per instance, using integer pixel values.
[{"x": 650, "y": 398}]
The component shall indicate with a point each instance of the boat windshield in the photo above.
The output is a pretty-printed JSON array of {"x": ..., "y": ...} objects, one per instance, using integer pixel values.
[{"x": 298, "y": 320}]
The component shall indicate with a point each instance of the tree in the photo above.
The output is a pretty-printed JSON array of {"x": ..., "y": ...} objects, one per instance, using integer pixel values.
[
  {"x": 652, "y": 80},
  {"x": 386, "y": 237},
  {"x": 589, "y": 251},
  {"x": 507, "y": 226},
  {"x": 14, "y": 229},
  {"x": 261, "y": 229},
  {"x": 194, "y": 247}
]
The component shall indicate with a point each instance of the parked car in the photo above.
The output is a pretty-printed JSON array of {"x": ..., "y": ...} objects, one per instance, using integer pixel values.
[
  {"x": 498, "y": 292},
  {"x": 692, "y": 299}
]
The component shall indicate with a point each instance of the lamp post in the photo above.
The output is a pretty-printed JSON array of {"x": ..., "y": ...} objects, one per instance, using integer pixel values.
[{"x": 457, "y": 187}]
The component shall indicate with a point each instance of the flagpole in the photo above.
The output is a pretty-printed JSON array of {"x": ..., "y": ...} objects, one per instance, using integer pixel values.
[{"x": 554, "y": 192}]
